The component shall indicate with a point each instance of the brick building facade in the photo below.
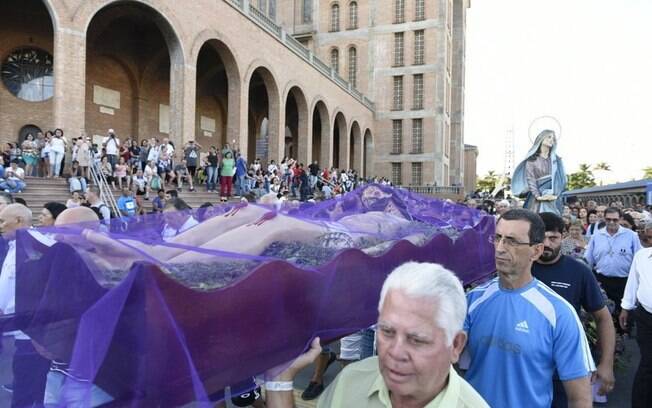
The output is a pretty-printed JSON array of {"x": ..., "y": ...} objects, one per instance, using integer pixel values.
[{"x": 235, "y": 71}]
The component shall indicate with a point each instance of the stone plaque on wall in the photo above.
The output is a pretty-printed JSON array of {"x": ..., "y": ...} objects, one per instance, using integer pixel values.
[
  {"x": 108, "y": 111},
  {"x": 164, "y": 118},
  {"x": 207, "y": 123},
  {"x": 106, "y": 97}
]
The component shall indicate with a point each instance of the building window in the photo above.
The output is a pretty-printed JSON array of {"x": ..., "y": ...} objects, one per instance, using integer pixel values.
[
  {"x": 272, "y": 9},
  {"x": 398, "y": 93},
  {"x": 417, "y": 135},
  {"x": 28, "y": 74},
  {"x": 307, "y": 11},
  {"x": 335, "y": 17},
  {"x": 397, "y": 176},
  {"x": 353, "y": 15},
  {"x": 399, "y": 11},
  {"x": 417, "y": 97},
  {"x": 399, "y": 47},
  {"x": 335, "y": 59},
  {"x": 419, "y": 38},
  {"x": 417, "y": 178},
  {"x": 419, "y": 10},
  {"x": 397, "y": 136},
  {"x": 353, "y": 67}
]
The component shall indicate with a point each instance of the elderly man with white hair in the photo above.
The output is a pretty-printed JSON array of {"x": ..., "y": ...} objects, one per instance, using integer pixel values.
[
  {"x": 502, "y": 207},
  {"x": 422, "y": 309}
]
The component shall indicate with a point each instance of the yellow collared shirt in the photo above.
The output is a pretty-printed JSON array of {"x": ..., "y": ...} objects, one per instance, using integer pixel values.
[{"x": 360, "y": 385}]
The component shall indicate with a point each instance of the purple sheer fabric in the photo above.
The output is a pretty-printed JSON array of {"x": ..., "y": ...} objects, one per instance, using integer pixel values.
[{"x": 167, "y": 321}]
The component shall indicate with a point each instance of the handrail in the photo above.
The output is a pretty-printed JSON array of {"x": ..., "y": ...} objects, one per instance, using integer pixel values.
[{"x": 106, "y": 195}]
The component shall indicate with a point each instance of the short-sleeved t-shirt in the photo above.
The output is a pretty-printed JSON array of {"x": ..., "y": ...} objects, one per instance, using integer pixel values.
[
  {"x": 191, "y": 155},
  {"x": 573, "y": 281},
  {"x": 517, "y": 339}
]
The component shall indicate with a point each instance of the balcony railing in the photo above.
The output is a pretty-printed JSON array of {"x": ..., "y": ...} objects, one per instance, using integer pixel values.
[
  {"x": 295, "y": 46},
  {"x": 435, "y": 190}
]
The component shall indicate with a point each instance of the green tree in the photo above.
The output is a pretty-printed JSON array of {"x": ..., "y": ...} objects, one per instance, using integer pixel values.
[
  {"x": 582, "y": 178},
  {"x": 488, "y": 182},
  {"x": 647, "y": 172}
]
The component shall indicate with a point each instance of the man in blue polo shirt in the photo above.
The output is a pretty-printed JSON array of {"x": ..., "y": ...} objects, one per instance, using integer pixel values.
[
  {"x": 520, "y": 331},
  {"x": 610, "y": 254},
  {"x": 573, "y": 280}
]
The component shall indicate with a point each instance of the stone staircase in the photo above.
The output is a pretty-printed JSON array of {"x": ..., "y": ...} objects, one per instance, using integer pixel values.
[{"x": 42, "y": 190}]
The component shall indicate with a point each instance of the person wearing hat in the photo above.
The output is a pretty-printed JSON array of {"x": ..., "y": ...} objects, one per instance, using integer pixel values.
[{"x": 50, "y": 212}]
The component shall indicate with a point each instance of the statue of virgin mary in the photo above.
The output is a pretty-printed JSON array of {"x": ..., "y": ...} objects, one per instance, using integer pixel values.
[{"x": 541, "y": 177}]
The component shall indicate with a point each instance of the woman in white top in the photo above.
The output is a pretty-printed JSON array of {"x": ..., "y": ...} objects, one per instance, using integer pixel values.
[{"x": 57, "y": 151}]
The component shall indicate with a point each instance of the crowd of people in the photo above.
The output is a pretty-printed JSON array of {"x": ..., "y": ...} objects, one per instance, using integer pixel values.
[
  {"x": 520, "y": 339},
  {"x": 141, "y": 170}
]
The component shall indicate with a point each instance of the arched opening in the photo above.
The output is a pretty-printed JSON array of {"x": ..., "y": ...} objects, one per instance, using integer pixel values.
[
  {"x": 28, "y": 130},
  {"x": 355, "y": 148},
  {"x": 367, "y": 167},
  {"x": 320, "y": 134},
  {"x": 340, "y": 145},
  {"x": 130, "y": 51},
  {"x": 216, "y": 93},
  {"x": 262, "y": 138},
  {"x": 296, "y": 122},
  {"x": 27, "y": 67}
]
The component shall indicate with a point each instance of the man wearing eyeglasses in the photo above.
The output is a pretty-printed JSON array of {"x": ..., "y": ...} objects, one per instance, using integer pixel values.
[
  {"x": 610, "y": 254},
  {"x": 520, "y": 331}
]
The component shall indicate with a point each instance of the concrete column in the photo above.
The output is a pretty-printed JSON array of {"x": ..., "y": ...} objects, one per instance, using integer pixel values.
[
  {"x": 304, "y": 130},
  {"x": 345, "y": 146},
  {"x": 327, "y": 135},
  {"x": 183, "y": 91},
  {"x": 276, "y": 129},
  {"x": 69, "y": 81},
  {"x": 240, "y": 131}
]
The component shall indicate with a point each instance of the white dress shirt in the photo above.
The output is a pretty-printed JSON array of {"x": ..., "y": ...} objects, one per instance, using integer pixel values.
[{"x": 639, "y": 282}]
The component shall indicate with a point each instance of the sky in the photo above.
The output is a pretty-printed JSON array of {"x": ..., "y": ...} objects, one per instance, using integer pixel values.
[{"x": 588, "y": 63}]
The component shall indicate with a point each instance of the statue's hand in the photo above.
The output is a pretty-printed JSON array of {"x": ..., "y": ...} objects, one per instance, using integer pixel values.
[{"x": 547, "y": 197}]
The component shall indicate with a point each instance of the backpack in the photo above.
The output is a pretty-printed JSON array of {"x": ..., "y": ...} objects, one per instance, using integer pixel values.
[{"x": 99, "y": 212}]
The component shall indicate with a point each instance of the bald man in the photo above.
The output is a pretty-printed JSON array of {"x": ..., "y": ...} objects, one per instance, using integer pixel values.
[
  {"x": 29, "y": 368},
  {"x": 76, "y": 215}
]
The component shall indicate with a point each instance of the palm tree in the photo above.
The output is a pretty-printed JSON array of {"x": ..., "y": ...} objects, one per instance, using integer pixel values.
[
  {"x": 600, "y": 168},
  {"x": 488, "y": 182},
  {"x": 582, "y": 178},
  {"x": 647, "y": 172}
]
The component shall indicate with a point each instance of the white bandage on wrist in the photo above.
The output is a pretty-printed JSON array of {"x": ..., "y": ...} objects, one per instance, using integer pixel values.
[{"x": 279, "y": 386}]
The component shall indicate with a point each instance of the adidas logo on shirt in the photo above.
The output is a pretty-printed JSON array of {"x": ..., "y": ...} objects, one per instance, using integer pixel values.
[{"x": 522, "y": 327}]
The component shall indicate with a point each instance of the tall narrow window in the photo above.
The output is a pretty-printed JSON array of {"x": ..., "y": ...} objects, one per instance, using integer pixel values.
[
  {"x": 353, "y": 15},
  {"x": 397, "y": 136},
  {"x": 262, "y": 6},
  {"x": 335, "y": 17},
  {"x": 419, "y": 38},
  {"x": 353, "y": 67},
  {"x": 335, "y": 59},
  {"x": 307, "y": 11},
  {"x": 398, "y": 93},
  {"x": 397, "y": 176},
  {"x": 419, "y": 10},
  {"x": 399, "y": 47},
  {"x": 417, "y": 97},
  {"x": 399, "y": 11},
  {"x": 272, "y": 9},
  {"x": 416, "y": 174},
  {"x": 417, "y": 136}
]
